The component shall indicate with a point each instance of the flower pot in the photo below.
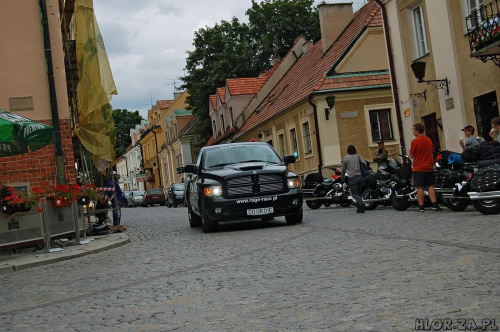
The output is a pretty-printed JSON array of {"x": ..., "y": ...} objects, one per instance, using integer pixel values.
[
  {"x": 8, "y": 209},
  {"x": 83, "y": 200},
  {"x": 11, "y": 208},
  {"x": 61, "y": 202}
]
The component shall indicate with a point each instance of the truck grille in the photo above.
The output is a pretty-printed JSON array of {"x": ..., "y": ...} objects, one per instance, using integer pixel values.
[{"x": 256, "y": 184}]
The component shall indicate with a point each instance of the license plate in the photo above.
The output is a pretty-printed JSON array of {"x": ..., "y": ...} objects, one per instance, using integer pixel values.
[{"x": 260, "y": 211}]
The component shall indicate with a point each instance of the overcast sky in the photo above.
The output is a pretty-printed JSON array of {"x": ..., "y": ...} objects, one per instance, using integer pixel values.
[{"x": 146, "y": 42}]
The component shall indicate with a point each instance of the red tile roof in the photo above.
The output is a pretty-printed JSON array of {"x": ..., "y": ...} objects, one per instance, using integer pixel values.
[
  {"x": 213, "y": 100},
  {"x": 306, "y": 75},
  {"x": 355, "y": 81},
  {"x": 222, "y": 94},
  {"x": 164, "y": 103},
  {"x": 245, "y": 86}
]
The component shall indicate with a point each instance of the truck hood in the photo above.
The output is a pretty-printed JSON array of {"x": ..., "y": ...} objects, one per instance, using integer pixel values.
[{"x": 245, "y": 169}]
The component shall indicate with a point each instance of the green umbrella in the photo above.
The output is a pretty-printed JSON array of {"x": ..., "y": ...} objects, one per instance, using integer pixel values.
[{"x": 18, "y": 133}]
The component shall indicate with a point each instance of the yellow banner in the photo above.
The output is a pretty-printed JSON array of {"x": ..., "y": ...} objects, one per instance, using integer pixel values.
[{"x": 95, "y": 128}]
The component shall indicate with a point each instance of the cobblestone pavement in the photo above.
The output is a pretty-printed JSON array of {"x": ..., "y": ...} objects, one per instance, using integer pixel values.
[{"x": 337, "y": 271}]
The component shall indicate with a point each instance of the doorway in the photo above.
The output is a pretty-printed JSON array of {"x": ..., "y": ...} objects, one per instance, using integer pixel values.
[
  {"x": 485, "y": 109},
  {"x": 431, "y": 130}
]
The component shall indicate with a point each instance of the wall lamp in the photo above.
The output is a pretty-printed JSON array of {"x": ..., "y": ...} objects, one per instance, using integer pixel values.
[
  {"x": 331, "y": 102},
  {"x": 420, "y": 95},
  {"x": 418, "y": 68}
]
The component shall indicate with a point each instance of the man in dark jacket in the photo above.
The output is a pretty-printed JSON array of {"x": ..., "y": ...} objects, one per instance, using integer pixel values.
[{"x": 381, "y": 155}]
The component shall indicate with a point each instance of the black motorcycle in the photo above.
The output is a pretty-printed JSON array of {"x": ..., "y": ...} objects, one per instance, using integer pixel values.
[
  {"x": 378, "y": 185},
  {"x": 319, "y": 191}
]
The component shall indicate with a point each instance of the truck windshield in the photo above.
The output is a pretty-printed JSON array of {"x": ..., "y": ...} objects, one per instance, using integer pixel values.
[{"x": 234, "y": 154}]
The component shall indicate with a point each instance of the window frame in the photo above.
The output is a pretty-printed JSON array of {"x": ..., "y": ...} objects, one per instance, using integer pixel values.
[
  {"x": 294, "y": 143},
  {"x": 281, "y": 142},
  {"x": 419, "y": 31},
  {"x": 306, "y": 136}
]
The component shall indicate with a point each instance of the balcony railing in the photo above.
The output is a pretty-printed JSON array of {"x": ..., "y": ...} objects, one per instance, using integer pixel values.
[{"x": 483, "y": 28}]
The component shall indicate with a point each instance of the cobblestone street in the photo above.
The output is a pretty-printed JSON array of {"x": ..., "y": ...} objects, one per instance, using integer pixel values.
[{"x": 337, "y": 271}]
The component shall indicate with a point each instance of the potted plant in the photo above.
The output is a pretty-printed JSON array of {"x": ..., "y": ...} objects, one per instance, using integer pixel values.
[
  {"x": 88, "y": 193},
  {"x": 18, "y": 201},
  {"x": 65, "y": 194}
]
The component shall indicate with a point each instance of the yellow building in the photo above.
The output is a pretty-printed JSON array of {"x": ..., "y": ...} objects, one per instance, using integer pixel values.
[
  {"x": 457, "y": 88},
  {"x": 348, "y": 67}
]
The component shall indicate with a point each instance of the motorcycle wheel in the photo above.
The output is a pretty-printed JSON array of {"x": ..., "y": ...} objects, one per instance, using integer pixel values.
[
  {"x": 345, "y": 203},
  {"x": 455, "y": 205},
  {"x": 327, "y": 204},
  {"x": 487, "y": 206},
  {"x": 313, "y": 204},
  {"x": 400, "y": 203},
  {"x": 369, "y": 194}
]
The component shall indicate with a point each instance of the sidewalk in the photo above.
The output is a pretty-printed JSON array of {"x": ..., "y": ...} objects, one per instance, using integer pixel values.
[{"x": 27, "y": 258}]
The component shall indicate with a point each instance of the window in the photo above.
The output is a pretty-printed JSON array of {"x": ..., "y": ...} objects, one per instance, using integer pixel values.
[
  {"x": 420, "y": 33},
  {"x": 307, "y": 137},
  {"x": 381, "y": 125},
  {"x": 222, "y": 126},
  {"x": 231, "y": 116},
  {"x": 473, "y": 6},
  {"x": 214, "y": 128},
  {"x": 281, "y": 146},
  {"x": 293, "y": 140}
]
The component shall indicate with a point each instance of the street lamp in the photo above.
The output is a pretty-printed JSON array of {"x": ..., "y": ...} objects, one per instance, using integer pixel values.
[{"x": 418, "y": 68}]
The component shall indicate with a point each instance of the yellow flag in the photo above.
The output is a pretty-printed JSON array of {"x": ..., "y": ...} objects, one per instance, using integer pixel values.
[{"x": 95, "y": 128}]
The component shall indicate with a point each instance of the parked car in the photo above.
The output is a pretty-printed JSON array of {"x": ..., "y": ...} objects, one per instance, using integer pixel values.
[
  {"x": 241, "y": 181},
  {"x": 175, "y": 194},
  {"x": 123, "y": 200},
  {"x": 134, "y": 198},
  {"x": 153, "y": 196}
]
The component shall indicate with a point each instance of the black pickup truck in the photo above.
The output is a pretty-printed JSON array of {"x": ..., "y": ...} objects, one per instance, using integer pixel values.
[{"x": 241, "y": 181}]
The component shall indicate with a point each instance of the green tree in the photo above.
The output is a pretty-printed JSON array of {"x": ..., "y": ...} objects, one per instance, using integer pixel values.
[
  {"x": 276, "y": 24},
  {"x": 234, "y": 49},
  {"x": 124, "y": 121}
]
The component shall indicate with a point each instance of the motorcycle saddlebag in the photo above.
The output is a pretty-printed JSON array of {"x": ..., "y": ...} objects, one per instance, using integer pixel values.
[
  {"x": 446, "y": 178},
  {"x": 486, "y": 179}
]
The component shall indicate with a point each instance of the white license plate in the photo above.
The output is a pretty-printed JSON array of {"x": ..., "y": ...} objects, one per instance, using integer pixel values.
[{"x": 260, "y": 211}]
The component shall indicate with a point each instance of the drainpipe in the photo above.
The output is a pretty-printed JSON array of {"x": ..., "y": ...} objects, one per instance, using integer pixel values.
[
  {"x": 157, "y": 155},
  {"x": 393, "y": 77},
  {"x": 318, "y": 142},
  {"x": 53, "y": 99}
]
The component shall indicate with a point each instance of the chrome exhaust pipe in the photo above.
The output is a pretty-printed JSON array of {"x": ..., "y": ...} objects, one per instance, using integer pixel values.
[
  {"x": 474, "y": 195},
  {"x": 371, "y": 200}
]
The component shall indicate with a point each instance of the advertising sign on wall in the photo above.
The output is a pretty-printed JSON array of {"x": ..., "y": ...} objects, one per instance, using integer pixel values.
[{"x": 141, "y": 177}]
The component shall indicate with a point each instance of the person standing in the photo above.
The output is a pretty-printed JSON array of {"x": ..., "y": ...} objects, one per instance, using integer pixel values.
[
  {"x": 470, "y": 140},
  {"x": 381, "y": 155},
  {"x": 351, "y": 165},
  {"x": 421, "y": 151},
  {"x": 115, "y": 203}
]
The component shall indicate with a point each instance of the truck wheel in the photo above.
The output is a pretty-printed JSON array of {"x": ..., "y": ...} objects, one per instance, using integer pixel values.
[
  {"x": 313, "y": 204},
  {"x": 209, "y": 226},
  {"x": 295, "y": 218},
  {"x": 487, "y": 206},
  {"x": 194, "y": 219}
]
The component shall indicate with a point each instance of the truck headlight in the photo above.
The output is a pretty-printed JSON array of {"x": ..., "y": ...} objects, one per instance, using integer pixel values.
[
  {"x": 212, "y": 191},
  {"x": 294, "y": 183}
]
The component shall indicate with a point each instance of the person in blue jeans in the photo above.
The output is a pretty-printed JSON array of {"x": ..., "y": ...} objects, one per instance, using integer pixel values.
[
  {"x": 350, "y": 164},
  {"x": 117, "y": 213}
]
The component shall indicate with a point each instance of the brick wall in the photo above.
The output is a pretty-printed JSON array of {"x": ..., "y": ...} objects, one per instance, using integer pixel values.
[{"x": 38, "y": 168}]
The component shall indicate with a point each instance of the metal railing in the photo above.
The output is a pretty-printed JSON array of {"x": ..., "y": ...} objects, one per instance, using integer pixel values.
[{"x": 483, "y": 26}]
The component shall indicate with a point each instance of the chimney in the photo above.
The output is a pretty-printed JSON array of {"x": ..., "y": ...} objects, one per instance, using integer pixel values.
[
  {"x": 306, "y": 46},
  {"x": 333, "y": 19}
]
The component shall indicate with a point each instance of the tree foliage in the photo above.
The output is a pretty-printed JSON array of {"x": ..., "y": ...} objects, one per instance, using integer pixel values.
[
  {"x": 124, "y": 120},
  {"x": 234, "y": 49}
]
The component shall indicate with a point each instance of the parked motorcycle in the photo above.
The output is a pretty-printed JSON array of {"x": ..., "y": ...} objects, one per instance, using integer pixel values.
[
  {"x": 319, "y": 191},
  {"x": 404, "y": 195},
  {"x": 378, "y": 188},
  {"x": 450, "y": 171}
]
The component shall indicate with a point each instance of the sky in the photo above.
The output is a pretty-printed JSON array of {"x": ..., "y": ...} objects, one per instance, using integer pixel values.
[{"x": 147, "y": 41}]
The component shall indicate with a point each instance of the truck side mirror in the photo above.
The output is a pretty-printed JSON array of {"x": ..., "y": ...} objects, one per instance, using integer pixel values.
[
  {"x": 289, "y": 159},
  {"x": 190, "y": 168}
]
